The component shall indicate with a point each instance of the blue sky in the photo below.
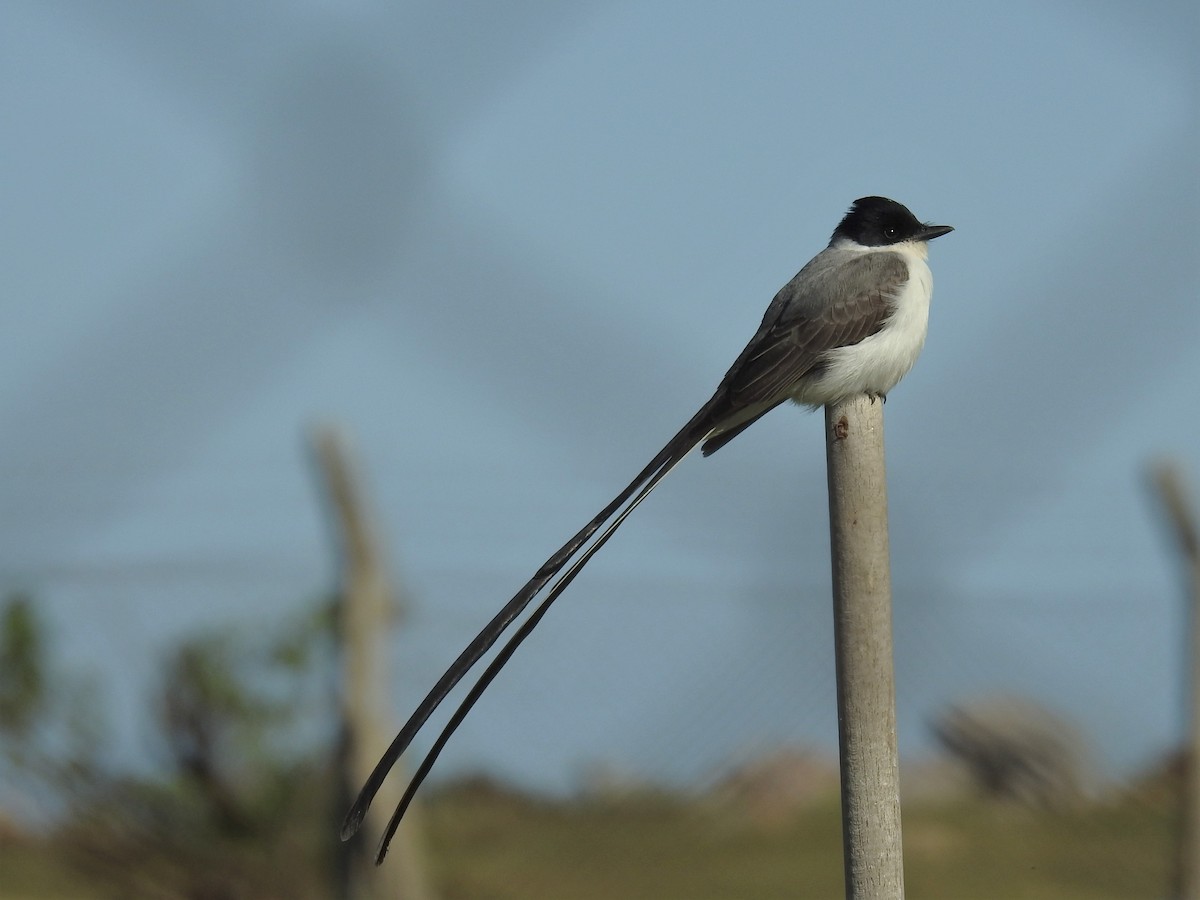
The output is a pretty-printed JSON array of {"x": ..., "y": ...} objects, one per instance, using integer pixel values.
[{"x": 511, "y": 251}]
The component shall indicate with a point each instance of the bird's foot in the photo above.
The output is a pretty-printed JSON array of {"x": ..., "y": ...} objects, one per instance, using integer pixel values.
[{"x": 877, "y": 395}]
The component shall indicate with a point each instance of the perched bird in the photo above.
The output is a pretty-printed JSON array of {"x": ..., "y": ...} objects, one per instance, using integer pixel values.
[{"x": 852, "y": 321}]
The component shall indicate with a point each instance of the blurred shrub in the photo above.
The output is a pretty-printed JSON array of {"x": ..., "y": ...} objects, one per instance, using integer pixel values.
[
  {"x": 1016, "y": 749},
  {"x": 242, "y": 804}
]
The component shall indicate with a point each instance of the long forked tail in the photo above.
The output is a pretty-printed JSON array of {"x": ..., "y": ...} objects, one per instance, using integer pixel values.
[
  {"x": 507, "y": 651},
  {"x": 666, "y": 459}
]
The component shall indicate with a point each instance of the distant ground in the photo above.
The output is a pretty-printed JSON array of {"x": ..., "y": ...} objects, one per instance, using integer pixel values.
[
  {"x": 484, "y": 842},
  {"x": 490, "y": 847}
]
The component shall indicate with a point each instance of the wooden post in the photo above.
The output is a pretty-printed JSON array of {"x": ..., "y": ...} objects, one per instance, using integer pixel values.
[
  {"x": 862, "y": 611},
  {"x": 1181, "y": 516},
  {"x": 364, "y": 614}
]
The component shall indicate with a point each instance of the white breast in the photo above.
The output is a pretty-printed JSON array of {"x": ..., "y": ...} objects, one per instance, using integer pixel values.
[{"x": 875, "y": 364}]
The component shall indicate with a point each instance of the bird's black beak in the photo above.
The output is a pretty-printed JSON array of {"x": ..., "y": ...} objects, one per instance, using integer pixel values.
[{"x": 929, "y": 232}]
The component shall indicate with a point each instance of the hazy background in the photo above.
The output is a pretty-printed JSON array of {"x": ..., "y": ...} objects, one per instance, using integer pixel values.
[{"x": 512, "y": 247}]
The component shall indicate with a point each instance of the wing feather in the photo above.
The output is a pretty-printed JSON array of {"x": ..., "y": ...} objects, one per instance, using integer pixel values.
[{"x": 836, "y": 305}]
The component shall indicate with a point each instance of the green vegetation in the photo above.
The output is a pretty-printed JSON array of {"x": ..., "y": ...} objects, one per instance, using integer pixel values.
[
  {"x": 485, "y": 843},
  {"x": 501, "y": 846},
  {"x": 246, "y": 806}
]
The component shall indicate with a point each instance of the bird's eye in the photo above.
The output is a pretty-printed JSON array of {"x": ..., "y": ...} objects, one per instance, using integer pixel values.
[{"x": 891, "y": 231}]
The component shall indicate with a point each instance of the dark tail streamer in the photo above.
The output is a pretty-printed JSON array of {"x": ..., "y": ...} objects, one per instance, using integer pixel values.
[
  {"x": 503, "y": 657},
  {"x": 666, "y": 459}
]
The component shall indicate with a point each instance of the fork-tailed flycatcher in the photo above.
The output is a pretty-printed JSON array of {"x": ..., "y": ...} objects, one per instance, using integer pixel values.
[{"x": 852, "y": 321}]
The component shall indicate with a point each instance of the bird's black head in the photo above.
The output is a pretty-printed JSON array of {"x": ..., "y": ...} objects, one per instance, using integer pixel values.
[{"x": 878, "y": 222}]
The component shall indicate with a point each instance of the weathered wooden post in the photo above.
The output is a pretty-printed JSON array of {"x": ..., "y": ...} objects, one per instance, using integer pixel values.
[
  {"x": 1169, "y": 481},
  {"x": 364, "y": 614},
  {"x": 862, "y": 610}
]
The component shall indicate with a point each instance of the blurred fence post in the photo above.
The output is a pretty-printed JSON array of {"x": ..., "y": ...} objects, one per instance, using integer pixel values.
[
  {"x": 1176, "y": 502},
  {"x": 862, "y": 607},
  {"x": 364, "y": 613}
]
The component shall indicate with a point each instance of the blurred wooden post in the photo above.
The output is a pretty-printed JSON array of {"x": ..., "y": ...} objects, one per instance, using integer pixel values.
[
  {"x": 862, "y": 610},
  {"x": 1169, "y": 482},
  {"x": 364, "y": 615}
]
